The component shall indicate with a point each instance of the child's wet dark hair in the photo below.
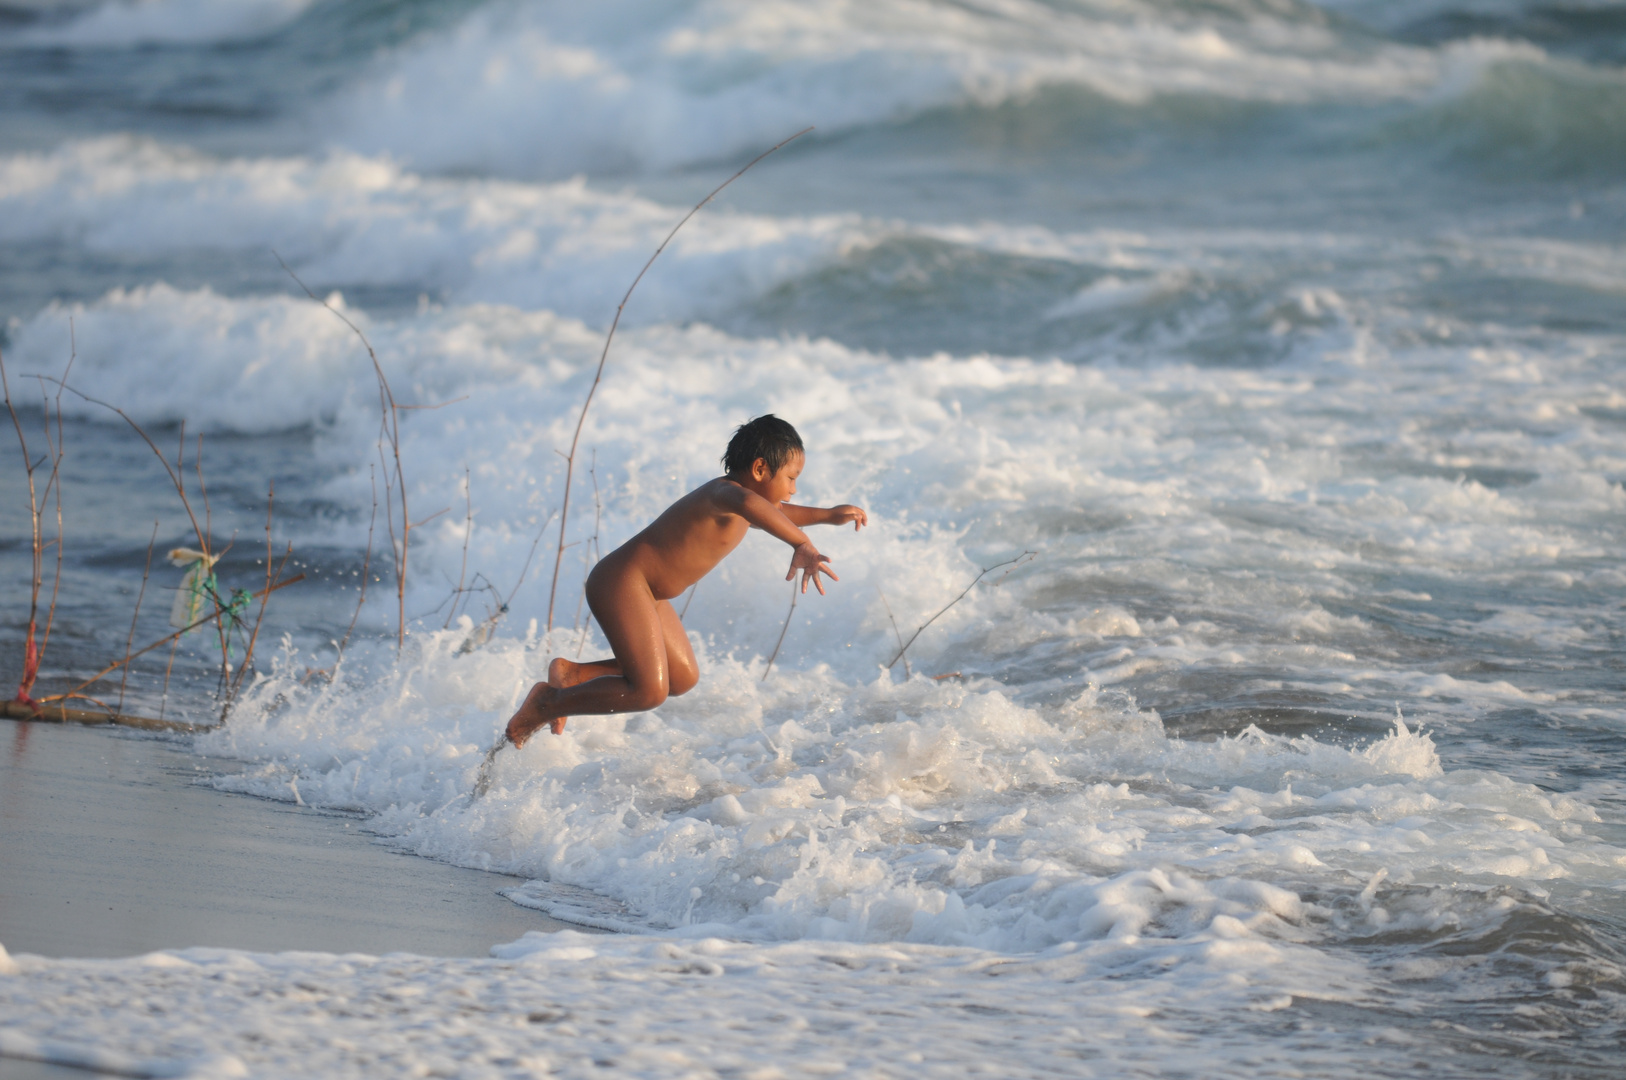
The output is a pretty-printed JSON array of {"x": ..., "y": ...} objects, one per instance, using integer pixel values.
[{"x": 767, "y": 437}]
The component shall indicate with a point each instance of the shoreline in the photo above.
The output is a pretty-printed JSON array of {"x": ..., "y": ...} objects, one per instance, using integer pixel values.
[{"x": 111, "y": 848}]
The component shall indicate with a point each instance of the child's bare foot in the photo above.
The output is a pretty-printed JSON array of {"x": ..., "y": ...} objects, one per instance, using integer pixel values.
[
  {"x": 563, "y": 673},
  {"x": 537, "y": 710}
]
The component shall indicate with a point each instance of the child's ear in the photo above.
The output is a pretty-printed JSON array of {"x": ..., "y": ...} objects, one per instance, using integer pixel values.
[{"x": 760, "y": 471}]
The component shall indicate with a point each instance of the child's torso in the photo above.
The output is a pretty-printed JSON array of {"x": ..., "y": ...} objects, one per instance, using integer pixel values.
[{"x": 681, "y": 546}]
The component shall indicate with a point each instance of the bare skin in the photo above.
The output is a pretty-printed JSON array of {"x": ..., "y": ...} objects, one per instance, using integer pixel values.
[{"x": 631, "y": 589}]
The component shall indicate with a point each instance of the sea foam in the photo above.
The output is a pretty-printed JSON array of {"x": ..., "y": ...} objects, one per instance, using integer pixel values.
[
  {"x": 808, "y": 807},
  {"x": 546, "y": 91}
]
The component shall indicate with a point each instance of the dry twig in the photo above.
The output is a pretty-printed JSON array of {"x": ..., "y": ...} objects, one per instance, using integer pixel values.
[
  {"x": 366, "y": 567},
  {"x": 330, "y": 672},
  {"x": 271, "y": 574},
  {"x": 389, "y": 434},
  {"x": 468, "y": 531},
  {"x": 895, "y": 633},
  {"x": 38, "y": 500},
  {"x": 1012, "y": 563},
  {"x": 482, "y": 633},
  {"x": 788, "y": 615},
  {"x": 175, "y": 637},
  {"x": 177, "y": 474},
  {"x": 177, "y": 477},
  {"x": 591, "y": 553},
  {"x": 129, "y": 640},
  {"x": 570, "y": 458}
]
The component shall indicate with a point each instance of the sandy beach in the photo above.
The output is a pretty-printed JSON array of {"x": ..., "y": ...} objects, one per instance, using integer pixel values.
[{"x": 112, "y": 847}]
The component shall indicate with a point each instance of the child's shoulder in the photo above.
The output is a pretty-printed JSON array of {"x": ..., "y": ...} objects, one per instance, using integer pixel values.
[
  {"x": 717, "y": 486},
  {"x": 717, "y": 493}
]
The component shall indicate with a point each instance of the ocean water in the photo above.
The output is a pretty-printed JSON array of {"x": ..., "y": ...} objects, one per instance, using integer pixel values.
[{"x": 1287, "y": 338}]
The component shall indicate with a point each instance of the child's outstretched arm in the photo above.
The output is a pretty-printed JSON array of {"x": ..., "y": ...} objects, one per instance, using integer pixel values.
[
  {"x": 832, "y": 515},
  {"x": 772, "y": 520}
]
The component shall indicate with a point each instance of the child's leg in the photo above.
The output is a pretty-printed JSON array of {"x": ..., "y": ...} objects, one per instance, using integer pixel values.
[
  {"x": 563, "y": 673},
  {"x": 631, "y": 619},
  {"x": 682, "y": 670}
]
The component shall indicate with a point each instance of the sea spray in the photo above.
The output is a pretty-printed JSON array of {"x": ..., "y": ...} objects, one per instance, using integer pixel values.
[{"x": 908, "y": 811}]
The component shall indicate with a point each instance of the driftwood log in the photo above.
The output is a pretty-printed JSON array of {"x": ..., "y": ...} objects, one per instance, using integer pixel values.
[{"x": 54, "y": 713}]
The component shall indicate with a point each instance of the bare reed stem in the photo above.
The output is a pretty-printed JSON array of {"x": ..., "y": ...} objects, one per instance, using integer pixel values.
[
  {"x": 53, "y": 486},
  {"x": 169, "y": 668},
  {"x": 129, "y": 640},
  {"x": 775, "y": 654},
  {"x": 175, "y": 637},
  {"x": 38, "y": 500},
  {"x": 271, "y": 574},
  {"x": 389, "y": 433},
  {"x": 468, "y": 530},
  {"x": 895, "y": 633},
  {"x": 589, "y": 554},
  {"x": 366, "y": 568},
  {"x": 222, "y": 629},
  {"x": 570, "y": 458},
  {"x": 177, "y": 473},
  {"x": 36, "y": 579},
  {"x": 483, "y": 632},
  {"x": 1012, "y": 563}
]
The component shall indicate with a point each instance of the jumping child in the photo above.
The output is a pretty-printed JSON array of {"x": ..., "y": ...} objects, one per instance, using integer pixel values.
[{"x": 631, "y": 589}]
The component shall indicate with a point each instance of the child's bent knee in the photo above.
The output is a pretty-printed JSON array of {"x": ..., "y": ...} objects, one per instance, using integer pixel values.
[{"x": 645, "y": 698}]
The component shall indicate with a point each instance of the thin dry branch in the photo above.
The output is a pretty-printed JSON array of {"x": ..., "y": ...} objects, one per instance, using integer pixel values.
[
  {"x": 203, "y": 489},
  {"x": 38, "y": 499},
  {"x": 526, "y": 569},
  {"x": 431, "y": 517},
  {"x": 129, "y": 639},
  {"x": 895, "y": 632},
  {"x": 175, "y": 637},
  {"x": 588, "y": 552},
  {"x": 468, "y": 531},
  {"x": 248, "y": 649},
  {"x": 271, "y": 574},
  {"x": 30, "y": 648},
  {"x": 575, "y": 439},
  {"x": 482, "y": 633},
  {"x": 169, "y": 669},
  {"x": 177, "y": 475},
  {"x": 389, "y": 433},
  {"x": 53, "y": 486},
  {"x": 782, "y": 630},
  {"x": 366, "y": 567},
  {"x": 1012, "y": 563},
  {"x": 395, "y": 542},
  {"x": 432, "y": 408},
  {"x": 222, "y": 628}
]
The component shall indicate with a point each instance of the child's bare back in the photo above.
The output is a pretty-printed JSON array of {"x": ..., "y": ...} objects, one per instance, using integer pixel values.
[{"x": 631, "y": 589}]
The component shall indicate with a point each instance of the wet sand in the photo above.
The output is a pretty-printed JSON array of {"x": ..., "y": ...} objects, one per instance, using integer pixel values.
[{"x": 110, "y": 847}]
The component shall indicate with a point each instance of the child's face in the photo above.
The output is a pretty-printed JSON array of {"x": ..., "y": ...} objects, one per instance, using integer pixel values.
[{"x": 779, "y": 486}]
